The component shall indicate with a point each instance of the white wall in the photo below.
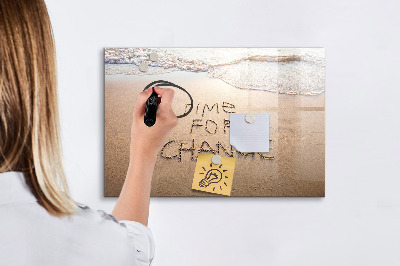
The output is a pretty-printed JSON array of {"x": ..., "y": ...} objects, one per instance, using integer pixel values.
[{"x": 358, "y": 221}]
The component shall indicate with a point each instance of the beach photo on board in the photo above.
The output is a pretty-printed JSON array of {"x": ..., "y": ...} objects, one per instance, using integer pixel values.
[{"x": 288, "y": 84}]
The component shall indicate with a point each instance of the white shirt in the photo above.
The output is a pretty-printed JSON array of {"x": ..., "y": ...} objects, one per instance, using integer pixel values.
[{"x": 31, "y": 236}]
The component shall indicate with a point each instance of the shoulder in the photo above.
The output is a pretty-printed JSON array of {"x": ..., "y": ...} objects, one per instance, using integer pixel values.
[
  {"x": 133, "y": 235},
  {"x": 88, "y": 237}
]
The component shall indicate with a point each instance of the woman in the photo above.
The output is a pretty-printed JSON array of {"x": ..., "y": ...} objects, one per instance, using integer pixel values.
[{"x": 39, "y": 222}]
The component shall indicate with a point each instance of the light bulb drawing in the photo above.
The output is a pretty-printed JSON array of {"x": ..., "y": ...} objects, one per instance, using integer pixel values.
[{"x": 213, "y": 176}]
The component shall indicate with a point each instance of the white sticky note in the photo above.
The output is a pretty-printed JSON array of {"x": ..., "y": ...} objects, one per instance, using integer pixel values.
[{"x": 250, "y": 137}]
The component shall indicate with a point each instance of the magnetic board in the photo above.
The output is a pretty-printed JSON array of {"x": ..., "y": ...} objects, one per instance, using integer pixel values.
[{"x": 286, "y": 83}]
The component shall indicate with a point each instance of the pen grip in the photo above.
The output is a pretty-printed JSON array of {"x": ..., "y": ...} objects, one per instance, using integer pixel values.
[{"x": 151, "y": 109}]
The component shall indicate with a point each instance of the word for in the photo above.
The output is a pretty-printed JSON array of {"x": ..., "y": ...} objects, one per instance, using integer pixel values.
[{"x": 210, "y": 126}]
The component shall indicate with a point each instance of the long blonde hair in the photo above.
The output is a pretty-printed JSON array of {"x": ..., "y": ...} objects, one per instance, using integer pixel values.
[{"x": 29, "y": 122}]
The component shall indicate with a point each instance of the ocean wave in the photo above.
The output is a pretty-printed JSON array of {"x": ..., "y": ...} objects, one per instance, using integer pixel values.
[{"x": 280, "y": 70}]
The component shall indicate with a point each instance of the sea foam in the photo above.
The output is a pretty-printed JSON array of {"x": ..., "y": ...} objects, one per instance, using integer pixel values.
[{"x": 280, "y": 70}]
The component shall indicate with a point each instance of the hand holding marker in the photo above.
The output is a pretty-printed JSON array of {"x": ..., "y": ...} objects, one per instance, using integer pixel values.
[
  {"x": 151, "y": 139},
  {"x": 153, "y": 117}
]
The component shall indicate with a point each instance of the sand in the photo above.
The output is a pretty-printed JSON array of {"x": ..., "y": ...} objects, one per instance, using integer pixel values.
[{"x": 295, "y": 165}]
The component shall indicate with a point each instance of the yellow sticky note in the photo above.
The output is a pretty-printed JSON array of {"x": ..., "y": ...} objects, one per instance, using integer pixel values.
[{"x": 214, "y": 178}]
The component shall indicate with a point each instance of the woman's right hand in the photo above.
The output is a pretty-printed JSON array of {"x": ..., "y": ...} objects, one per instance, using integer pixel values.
[
  {"x": 133, "y": 202},
  {"x": 149, "y": 140}
]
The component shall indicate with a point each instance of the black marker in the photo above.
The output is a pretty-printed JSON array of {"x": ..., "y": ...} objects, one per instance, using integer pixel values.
[{"x": 151, "y": 109}]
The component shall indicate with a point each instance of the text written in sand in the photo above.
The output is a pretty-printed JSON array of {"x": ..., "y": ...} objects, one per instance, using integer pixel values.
[{"x": 201, "y": 126}]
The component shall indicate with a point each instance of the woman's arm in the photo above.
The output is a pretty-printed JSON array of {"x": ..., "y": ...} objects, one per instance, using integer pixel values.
[{"x": 133, "y": 202}]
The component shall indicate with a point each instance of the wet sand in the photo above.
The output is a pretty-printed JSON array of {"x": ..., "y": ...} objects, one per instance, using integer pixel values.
[{"x": 295, "y": 165}]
